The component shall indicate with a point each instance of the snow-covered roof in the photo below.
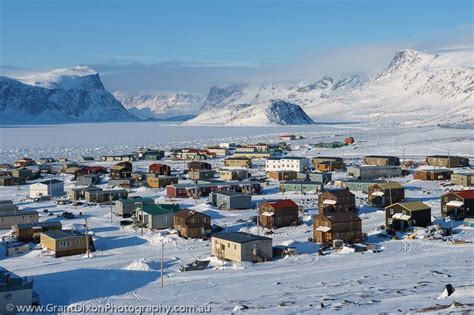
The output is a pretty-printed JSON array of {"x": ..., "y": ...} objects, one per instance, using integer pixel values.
[
  {"x": 401, "y": 216},
  {"x": 329, "y": 202},
  {"x": 455, "y": 203},
  {"x": 323, "y": 228},
  {"x": 268, "y": 214},
  {"x": 377, "y": 193}
]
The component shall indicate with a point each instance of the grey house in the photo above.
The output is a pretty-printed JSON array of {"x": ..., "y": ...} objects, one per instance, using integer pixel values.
[
  {"x": 365, "y": 172},
  {"x": 157, "y": 216},
  {"x": 301, "y": 186},
  {"x": 230, "y": 200},
  {"x": 88, "y": 180},
  {"x": 126, "y": 207},
  {"x": 321, "y": 177},
  {"x": 80, "y": 193},
  {"x": 360, "y": 185}
]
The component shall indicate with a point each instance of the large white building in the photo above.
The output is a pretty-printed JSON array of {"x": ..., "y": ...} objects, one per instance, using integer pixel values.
[
  {"x": 50, "y": 187},
  {"x": 288, "y": 163}
]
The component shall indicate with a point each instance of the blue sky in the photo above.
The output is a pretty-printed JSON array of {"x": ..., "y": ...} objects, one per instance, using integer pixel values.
[{"x": 63, "y": 33}]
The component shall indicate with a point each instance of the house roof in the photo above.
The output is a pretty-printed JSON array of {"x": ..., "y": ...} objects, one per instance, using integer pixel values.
[
  {"x": 339, "y": 217},
  {"x": 300, "y": 182},
  {"x": 61, "y": 234},
  {"x": 340, "y": 192},
  {"x": 40, "y": 224},
  {"x": 157, "y": 209},
  {"x": 391, "y": 185},
  {"x": 187, "y": 213},
  {"x": 439, "y": 170},
  {"x": 135, "y": 200},
  {"x": 239, "y": 237},
  {"x": 465, "y": 194},
  {"x": 283, "y": 203},
  {"x": 229, "y": 193},
  {"x": 464, "y": 174},
  {"x": 443, "y": 156},
  {"x": 15, "y": 213},
  {"x": 381, "y": 156},
  {"x": 414, "y": 205},
  {"x": 238, "y": 158},
  {"x": 51, "y": 181},
  {"x": 298, "y": 158}
]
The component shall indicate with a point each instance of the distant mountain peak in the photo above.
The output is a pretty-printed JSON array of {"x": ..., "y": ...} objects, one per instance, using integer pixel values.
[
  {"x": 79, "y": 77},
  {"x": 219, "y": 95},
  {"x": 404, "y": 60},
  {"x": 63, "y": 95}
]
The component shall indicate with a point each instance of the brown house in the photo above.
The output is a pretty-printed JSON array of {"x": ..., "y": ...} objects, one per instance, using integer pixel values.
[
  {"x": 447, "y": 161},
  {"x": 30, "y": 232},
  {"x": 191, "y": 223},
  {"x": 201, "y": 174},
  {"x": 384, "y": 194},
  {"x": 402, "y": 215},
  {"x": 381, "y": 160},
  {"x": 458, "y": 204},
  {"x": 438, "y": 174},
  {"x": 282, "y": 175},
  {"x": 328, "y": 163},
  {"x": 238, "y": 162},
  {"x": 121, "y": 170},
  {"x": 199, "y": 166},
  {"x": 161, "y": 181},
  {"x": 279, "y": 213},
  {"x": 328, "y": 166},
  {"x": 346, "y": 226},
  {"x": 336, "y": 200},
  {"x": 161, "y": 169}
]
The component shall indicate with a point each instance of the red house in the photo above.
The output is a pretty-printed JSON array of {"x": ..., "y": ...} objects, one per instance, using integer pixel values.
[
  {"x": 349, "y": 140},
  {"x": 95, "y": 170},
  {"x": 161, "y": 169}
]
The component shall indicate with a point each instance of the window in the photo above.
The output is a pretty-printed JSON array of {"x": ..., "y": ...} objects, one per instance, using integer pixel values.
[
  {"x": 391, "y": 211},
  {"x": 390, "y": 221}
]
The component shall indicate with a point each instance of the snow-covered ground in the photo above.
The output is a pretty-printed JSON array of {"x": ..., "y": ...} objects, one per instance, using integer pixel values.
[
  {"x": 96, "y": 139},
  {"x": 407, "y": 276}
]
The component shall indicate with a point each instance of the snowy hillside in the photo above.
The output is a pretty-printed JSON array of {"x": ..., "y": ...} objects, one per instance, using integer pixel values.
[
  {"x": 415, "y": 89},
  {"x": 271, "y": 112},
  {"x": 63, "y": 95},
  {"x": 160, "y": 106}
]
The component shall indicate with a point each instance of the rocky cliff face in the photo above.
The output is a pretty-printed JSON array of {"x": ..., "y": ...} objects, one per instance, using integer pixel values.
[{"x": 60, "y": 96}]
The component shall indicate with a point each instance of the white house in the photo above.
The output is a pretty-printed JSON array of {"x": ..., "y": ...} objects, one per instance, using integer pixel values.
[
  {"x": 50, "y": 187},
  {"x": 16, "y": 291},
  {"x": 288, "y": 163}
]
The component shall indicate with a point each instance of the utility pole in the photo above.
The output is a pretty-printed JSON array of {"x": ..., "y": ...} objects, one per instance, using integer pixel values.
[
  {"x": 162, "y": 245},
  {"x": 449, "y": 159},
  {"x": 111, "y": 215},
  {"x": 390, "y": 189},
  {"x": 87, "y": 239}
]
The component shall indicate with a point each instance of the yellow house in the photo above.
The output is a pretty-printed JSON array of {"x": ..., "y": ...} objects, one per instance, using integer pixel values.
[
  {"x": 239, "y": 246},
  {"x": 64, "y": 242},
  {"x": 235, "y": 174}
]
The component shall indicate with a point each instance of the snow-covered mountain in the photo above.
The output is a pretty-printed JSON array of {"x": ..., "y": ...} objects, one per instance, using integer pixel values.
[
  {"x": 59, "y": 96},
  {"x": 415, "y": 89},
  {"x": 160, "y": 106},
  {"x": 270, "y": 112}
]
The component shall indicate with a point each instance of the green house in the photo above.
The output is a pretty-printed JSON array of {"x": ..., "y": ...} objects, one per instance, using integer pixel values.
[
  {"x": 157, "y": 216},
  {"x": 301, "y": 186}
]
